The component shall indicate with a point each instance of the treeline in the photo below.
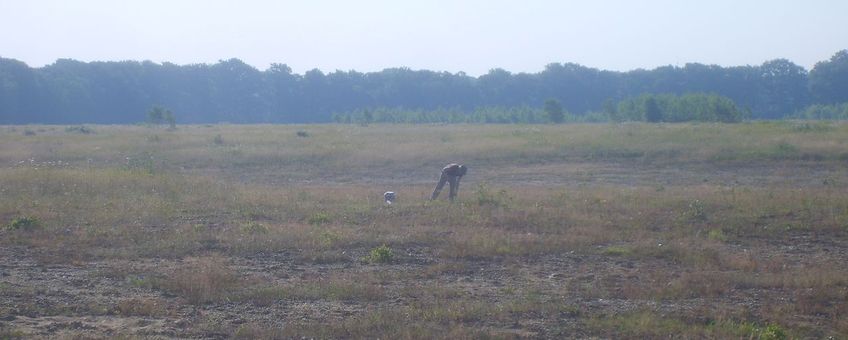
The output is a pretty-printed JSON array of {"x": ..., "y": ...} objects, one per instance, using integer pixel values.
[
  {"x": 70, "y": 91},
  {"x": 495, "y": 115},
  {"x": 825, "y": 112},
  {"x": 647, "y": 107}
]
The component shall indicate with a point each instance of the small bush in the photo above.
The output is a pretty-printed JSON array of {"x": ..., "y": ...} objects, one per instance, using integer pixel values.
[
  {"x": 319, "y": 218},
  {"x": 142, "y": 307},
  {"x": 617, "y": 251},
  {"x": 785, "y": 150},
  {"x": 717, "y": 235},
  {"x": 696, "y": 211},
  {"x": 25, "y": 223},
  {"x": 773, "y": 332},
  {"x": 303, "y": 134},
  {"x": 82, "y": 129},
  {"x": 201, "y": 280},
  {"x": 381, "y": 254},
  {"x": 218, "y": 140},
  {"x": 486, "y": 197},
  {"x": 254, "y": 228},
  {"x": 142, "y": 162},
  {"x": 812, "y": 127},
  {"x": 29, "y": 132}
]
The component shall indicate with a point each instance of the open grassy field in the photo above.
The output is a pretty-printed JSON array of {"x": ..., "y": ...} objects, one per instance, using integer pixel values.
[{"x": 267, "y": 231}]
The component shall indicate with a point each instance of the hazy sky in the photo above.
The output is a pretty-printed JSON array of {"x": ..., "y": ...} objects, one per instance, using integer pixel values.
[{"x": 471, "y": 36}]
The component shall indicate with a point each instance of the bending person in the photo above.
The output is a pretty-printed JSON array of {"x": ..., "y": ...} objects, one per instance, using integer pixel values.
[{"x": 451, "y": 173}]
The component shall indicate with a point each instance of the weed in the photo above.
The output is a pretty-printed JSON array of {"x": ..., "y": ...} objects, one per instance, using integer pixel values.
[
  {"x": 329, "y": 238},
  {"x": 302, "y": 134},
  {"x": 319, "y": 218},
  {"x": 148, "y": 307},
  {"x": 200, "y": 280},
  {"x": 785, "y": 150},
  {"x": 381, "y": 254},
  {"x": 773, "y": 332},
  {"x": 254, "y": 228},
  {"x": 808, "y": 127},
  {"x": 82, "y": 129},
  {"x": 142, "y": 162},
  {"x": 332, "y": 289},
  {"x": 11, "y": 333},
  {"x": 140, "y": 281},
  {"x": 717, "y": 235},
  {"x": 485, "y": 197},
  {"x": 218, "y": 140},
  {"x": 616, "y": 251},
  {"x": 24, "y": 223},
  {"x": 696, "y": 211}
]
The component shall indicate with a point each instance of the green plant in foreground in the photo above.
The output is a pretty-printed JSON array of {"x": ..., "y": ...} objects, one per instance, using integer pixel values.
[
  {"x": 319, "y": 218},
  {"x": 697, "y": 211},
  {"x": 486, "y": 197},
  {"x": 254, "y": 228},
  {"x": 24, "y": 223},
  {"x": 773, "y": 332},
  {"x": 717, "y": 235},
  {"x": 381, "y": 254}
]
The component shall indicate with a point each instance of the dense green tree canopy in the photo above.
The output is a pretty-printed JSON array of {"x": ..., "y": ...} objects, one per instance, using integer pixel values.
[
  {"x": 829, "y": 79},
  {"x": 70, "y": 91}
]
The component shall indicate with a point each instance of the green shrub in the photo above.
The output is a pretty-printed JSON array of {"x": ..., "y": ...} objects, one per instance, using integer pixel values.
[
  {"x": 25, "y": 223},
  {"x": 717, "y": 235},
  {"x": 486, "y": 197},
  {"x": 696, "y": 211},
  {"x": 617, "y": 251},
  {"x": 79, "y": 129},
  {"x": 808, "y": 127},
  {"x": 381, "y": 254},
  {"x": 773, "y": 332},
  {"x": 785, "y": 150},
  {"x": 319, "y": 218},
  {"x": 254, "y": 228}
]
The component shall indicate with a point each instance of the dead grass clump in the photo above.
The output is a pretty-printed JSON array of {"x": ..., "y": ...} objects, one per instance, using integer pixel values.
[
  {"x": 382, "y": 323},
  {"x": 481, "y": 243},
  {"x": 651, "y": 324},
  {"x": 200, "y": 280},
  {"x": 336, "y": 288},
  {"x": 147, "y": 307}
]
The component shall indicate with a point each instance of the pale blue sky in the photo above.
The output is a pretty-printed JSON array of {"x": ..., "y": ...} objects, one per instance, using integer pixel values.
[{"x": 470, "y": 36}]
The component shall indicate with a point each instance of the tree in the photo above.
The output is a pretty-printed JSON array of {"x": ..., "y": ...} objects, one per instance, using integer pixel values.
[
  {"x": 782, "y": 89},
  {"x": 158, "y": 115},
  {"x": 653, "y": 113},
  {"x": 829, "y": 79},
  {"x": 169, "y": 118},
  {"x": 553, "y": 109}
]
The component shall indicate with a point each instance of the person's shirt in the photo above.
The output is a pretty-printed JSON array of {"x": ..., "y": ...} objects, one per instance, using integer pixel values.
[{"x": 452, "y": 169}]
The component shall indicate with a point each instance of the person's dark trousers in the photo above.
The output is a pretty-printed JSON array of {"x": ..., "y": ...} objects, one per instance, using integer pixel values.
[{"x": 454, "y": 186}]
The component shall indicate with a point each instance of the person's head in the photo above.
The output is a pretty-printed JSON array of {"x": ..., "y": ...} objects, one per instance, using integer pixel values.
[{"x": 462, "y": 170}]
